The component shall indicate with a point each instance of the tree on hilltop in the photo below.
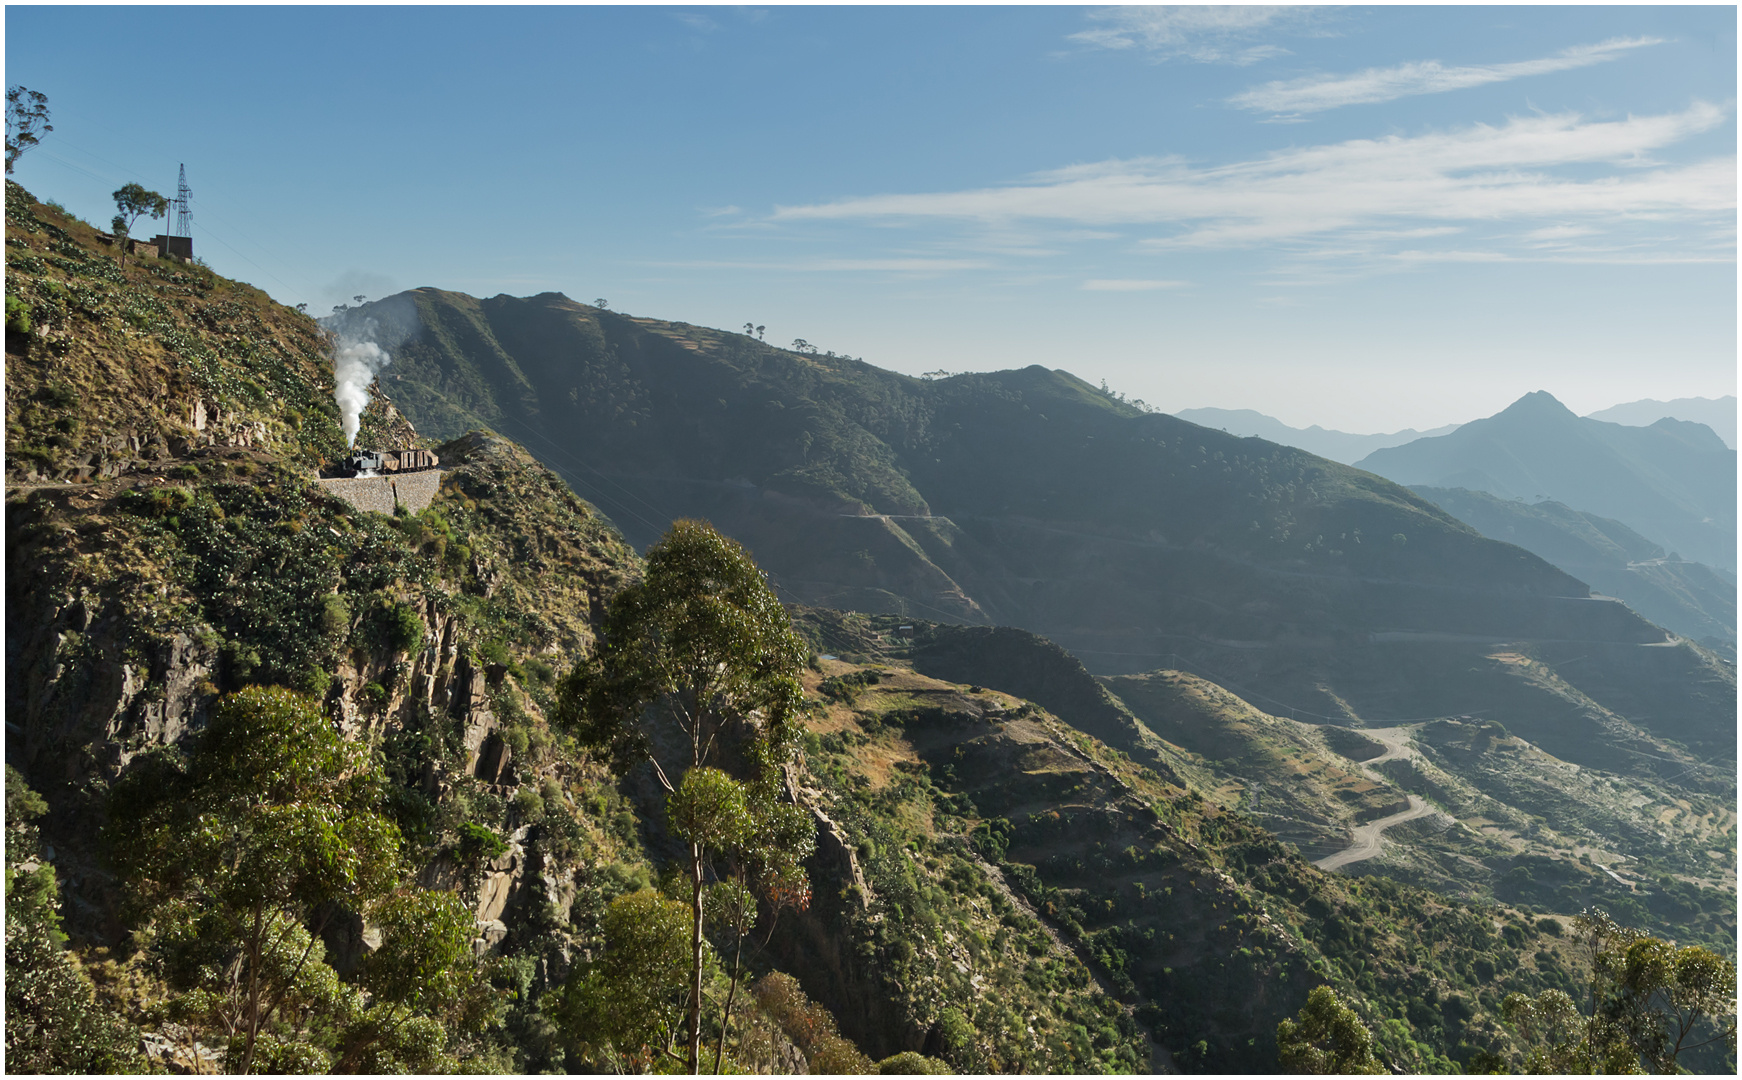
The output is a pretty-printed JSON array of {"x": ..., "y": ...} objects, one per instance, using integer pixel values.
[
  {"x": 26, "y": 121},
  {"x": 134, "y": 202}
]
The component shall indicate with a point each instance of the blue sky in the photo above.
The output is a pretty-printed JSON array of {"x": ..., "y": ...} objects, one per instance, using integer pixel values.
[{"x": 1364, "y": 218}]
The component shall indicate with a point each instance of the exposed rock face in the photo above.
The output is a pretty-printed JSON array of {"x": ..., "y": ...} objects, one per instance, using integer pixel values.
[
  {"x": 501, "y": 880},
  {"x": 91, "y": 686}
]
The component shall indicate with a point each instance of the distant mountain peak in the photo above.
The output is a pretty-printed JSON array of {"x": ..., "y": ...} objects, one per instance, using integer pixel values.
[
  {"x": 1538, "y": 403},
  {"x": 1673, "y": 482}
]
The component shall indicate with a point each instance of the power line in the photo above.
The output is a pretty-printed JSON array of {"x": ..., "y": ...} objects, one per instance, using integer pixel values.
[
  {"x": 207, "y": 211},
  {"x": 128, "y": 173},
  {"x": 209, "y": 233}
]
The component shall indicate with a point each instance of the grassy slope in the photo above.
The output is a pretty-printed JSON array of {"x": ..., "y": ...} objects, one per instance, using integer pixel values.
[
  {"x": 1527, "y": 828},
  {"x": 1289, "y": 776},
  {"x": 123, "y": 367},
  {"x": 1510, "y": 804},
  {"x": 1200, "y": 922}
]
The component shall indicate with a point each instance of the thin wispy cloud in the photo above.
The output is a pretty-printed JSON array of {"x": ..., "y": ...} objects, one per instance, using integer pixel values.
[
  {"x": 1530, "y": 170},
  {"x": 915, "y": 265},
  {"x": 1558, "y": 234},
  {"x": 696, "y": 21},
  {"x": 1130, "y": 284},
  {"x": 1316, "y": 93},
  {"x": 1206, "y": 34}
]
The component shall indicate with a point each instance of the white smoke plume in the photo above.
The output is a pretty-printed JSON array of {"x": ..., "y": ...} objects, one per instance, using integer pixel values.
[
  {"x": 355, "y": 365},
  {"x": 361, "y": 337}
]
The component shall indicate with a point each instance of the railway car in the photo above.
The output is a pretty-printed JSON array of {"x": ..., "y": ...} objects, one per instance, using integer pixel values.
[{"x": 388, "y": 462}]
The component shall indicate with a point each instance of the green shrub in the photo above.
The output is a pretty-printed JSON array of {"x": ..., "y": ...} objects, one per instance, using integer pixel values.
[
  {"x": 374, "y": 697},
  {"x": 17, "y": 315},
  {"x": 529, "y": 804},
  {"x": 959, "y": 1039},
  {"x": 847, "y": 688},
  {"x": 392, "y": 626},
  {"x": 494, "y": 651},
  {"x": 478, "y": 844},
  {"x": 335, "y": 616},
  {"x": 911, "y": 1063}
]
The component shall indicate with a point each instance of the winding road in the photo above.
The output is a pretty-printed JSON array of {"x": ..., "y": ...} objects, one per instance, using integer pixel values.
[{"x": 1367, "y": 839}]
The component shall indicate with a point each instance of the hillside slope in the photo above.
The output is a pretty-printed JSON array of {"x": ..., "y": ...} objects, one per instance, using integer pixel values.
[
  {"x": 1028, "y": 498},
  {"x": 992, "y": 884},
  {"x": 1674, "y": 482},
  {"x": 1021, "y": 497},
  {"x": 1692, "y": 599},
  {"x": 1201, "y": 925},
  {"x": 1501, "y": 800}
]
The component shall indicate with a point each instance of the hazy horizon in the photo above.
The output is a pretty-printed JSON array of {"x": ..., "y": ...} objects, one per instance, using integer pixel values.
[
  {"x": 1363, "y": 219},
  {"x": 1456, "y": 423}
]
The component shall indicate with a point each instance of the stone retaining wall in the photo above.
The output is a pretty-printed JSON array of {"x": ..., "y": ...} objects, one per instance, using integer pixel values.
[{"x": 381, "y": 494}]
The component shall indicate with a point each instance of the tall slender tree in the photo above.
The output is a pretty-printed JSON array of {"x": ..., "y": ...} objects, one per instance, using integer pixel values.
[{"x": 696, "y": 673}]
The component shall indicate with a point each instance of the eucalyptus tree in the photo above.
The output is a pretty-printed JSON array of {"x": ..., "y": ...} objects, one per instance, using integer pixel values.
[
  {"x": 625, "y": 1008},
  {"x": 54, "y": 1023},
  {"x": 26, "y": 121},
  {"x": 1647, "y": 1003},
  {"x": 1326, "y": 1037},
  {"x": 240, "y": 855},
  {"x": 696, "y": 673}
]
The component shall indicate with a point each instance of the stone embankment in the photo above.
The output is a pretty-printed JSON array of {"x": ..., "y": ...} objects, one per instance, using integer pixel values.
[{"x": 383, "y": 494}]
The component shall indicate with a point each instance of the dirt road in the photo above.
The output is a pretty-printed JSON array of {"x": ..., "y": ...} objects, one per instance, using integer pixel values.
[
  {"x": 1396, "y": 743},
  {"x": 1367, "y": 837}
]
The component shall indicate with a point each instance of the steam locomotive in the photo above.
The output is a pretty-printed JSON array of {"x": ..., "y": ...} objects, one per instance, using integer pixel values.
[{"x": 387, "y": 462}]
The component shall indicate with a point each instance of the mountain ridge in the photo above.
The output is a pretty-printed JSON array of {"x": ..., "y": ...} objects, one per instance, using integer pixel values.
[
  {"x": 1691, "y": 599},
  {"x": 1674, "y": 481},
  {"x": 1028, "y": 498},
  {"x": 1340, "y": 446},
  {"x": 1719, "y": 414},
  {"x": 946, "y": 481}
]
